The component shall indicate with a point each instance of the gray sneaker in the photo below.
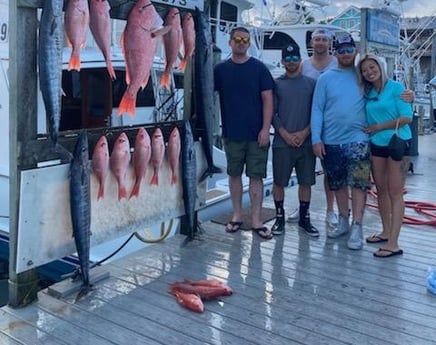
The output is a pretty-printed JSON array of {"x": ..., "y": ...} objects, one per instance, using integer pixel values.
[
  {"x": 355, "y": 241},
  {"x": 331, "y": 219},
  {"x": 341, "y": 229},
  {"x": 294, "y": 217}
]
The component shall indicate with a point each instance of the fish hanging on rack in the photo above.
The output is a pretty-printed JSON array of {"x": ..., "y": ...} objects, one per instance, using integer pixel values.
[
  {"x": 188, "y": 33},
  {"x": 119, "y": 163},
  {"x": 100, "y": 163},
  {"x": 139, "y": 45},
  {"x": 76, "y": 23},
  {"x": 141, "y": 159}
]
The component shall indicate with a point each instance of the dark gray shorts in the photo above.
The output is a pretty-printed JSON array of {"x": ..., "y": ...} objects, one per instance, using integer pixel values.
[
  {"x": 285, "y": 159},
  {"x": 248, "y": 154}
]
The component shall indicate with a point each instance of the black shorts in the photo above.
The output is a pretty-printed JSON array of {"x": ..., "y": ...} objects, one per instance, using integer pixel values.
[{"x": 383, "y": 151}]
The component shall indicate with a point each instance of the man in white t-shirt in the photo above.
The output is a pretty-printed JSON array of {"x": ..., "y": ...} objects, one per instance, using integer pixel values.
[{"x": 313, "y": 67}]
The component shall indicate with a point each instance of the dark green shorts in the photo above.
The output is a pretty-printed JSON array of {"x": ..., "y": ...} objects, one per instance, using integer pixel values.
[{"x": 248, "y": 154}]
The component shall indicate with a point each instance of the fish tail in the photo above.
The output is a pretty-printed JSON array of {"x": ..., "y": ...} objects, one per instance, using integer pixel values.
[
  {"x": 84, "y": 290},
  {"x": 209, "y": 172},
  {"x": 100, "y": 191},
  {"x": 74, "y": 63},
  {"x": 165, "y": 80},
  {"x": 174, "y": 179},
  {"x": 122, "y": 193},
  {"x": 110, "y": 69},
  {"x": 127, "y": 105},
  {"x": 155, "y": 179},
  {"x": 135, "y": 190},
  {"x": 183, "y": 64}
]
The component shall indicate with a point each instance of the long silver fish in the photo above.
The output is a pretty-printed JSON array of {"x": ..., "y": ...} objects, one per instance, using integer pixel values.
[
  {"x": 204, "y": 89},
  {"x": 189, "y": 183},
  {"x": 50, "y": 63},
  {"x": 80, "y": 203}
]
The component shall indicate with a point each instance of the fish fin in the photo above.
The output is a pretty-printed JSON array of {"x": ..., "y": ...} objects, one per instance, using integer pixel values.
[
  {"x": 74, "y": 63},
  {"x": 165, "y": 80},
  {"x": 174, "y": 179},
  {"x": 110, "y": 69},
  {"x": 182, "y": 65},
  {"x": 161, "y": 31},
  {"x": 155, "y": 179},
  {"x": 135, "y": 190},
  {"x": 122, "y": 193},
  {"x": 209, "y": 172},
  {"x": 127, "y": 105},
  {"x": 100, "y": 191}
]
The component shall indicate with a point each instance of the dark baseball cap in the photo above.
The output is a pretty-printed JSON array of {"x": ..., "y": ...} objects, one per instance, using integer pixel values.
[
  {"x": 291, "y": 50},
  {"x": 344, "y": 40}
]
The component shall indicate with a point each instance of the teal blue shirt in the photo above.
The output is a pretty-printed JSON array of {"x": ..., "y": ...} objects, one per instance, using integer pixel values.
[{"x": 387, "y": 106}]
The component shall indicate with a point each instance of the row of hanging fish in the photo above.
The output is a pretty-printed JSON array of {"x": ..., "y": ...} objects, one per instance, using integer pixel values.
[{"x": 149, "y": 153}]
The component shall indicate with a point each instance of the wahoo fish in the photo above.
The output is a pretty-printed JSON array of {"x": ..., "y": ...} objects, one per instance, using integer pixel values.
[
  {"x": 174, "y": 148},
  {"x": 172, "y": 43},
  {"x": 119, "y": 163},
  {"x": 189, "y": 179},
  {"x": 76, "y": 23},
  {"x": 80, "y": 204},
  {"x": 188, "y": 33},
  {"x": 50, "y": 63},
  {"x": 100, "y": 25},
  {"x": 204, "y": 90},
  {"x": 100, "y": 163},
  {"x": 157, "y": 154},
  {"x": 141, "y": 158},
  {"x": 139, "y": 44}
]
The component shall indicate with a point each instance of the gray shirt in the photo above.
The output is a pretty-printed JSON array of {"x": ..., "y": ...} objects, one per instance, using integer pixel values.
[
  {"x": 292, "y": 106},
  {"x": 309, "y": 70}
]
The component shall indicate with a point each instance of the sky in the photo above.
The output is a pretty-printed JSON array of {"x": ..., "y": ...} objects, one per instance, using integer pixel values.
[
  {"x": 410, "y": 8},
  {"x": 406, "y": 8}
]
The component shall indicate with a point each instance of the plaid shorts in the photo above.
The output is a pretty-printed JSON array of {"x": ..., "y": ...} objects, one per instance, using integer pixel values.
[{"x": 348, "y": 165}]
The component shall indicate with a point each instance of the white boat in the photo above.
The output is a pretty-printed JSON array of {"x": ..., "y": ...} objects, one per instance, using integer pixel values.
[{"x": 92, "y": 94}]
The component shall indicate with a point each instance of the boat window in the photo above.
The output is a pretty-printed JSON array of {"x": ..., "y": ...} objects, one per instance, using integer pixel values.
[
  {"x": 276, "y": 40},
  {"x": 145, "y": 98},
  {"x": 229, "y": 13}
]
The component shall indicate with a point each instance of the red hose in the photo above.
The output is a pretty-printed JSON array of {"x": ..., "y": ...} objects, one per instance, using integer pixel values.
[{"x": 425, "y": 209}]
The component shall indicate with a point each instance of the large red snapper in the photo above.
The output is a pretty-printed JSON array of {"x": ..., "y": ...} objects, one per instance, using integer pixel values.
[
  {"x": 157, "y": 154},
  {"x": 172, "y": 43},
  {"x": 100, "y": 163},
  {"x": 188, "y": 32},
  {"x": 139, "y": 45},
  {"x": 76, "y": 22},
  {"x": 174, "y": 148},
  {"x": 141, "y": 158},
  {"x": 100, "y": 25},
  {"x": 119, "y": 163}
]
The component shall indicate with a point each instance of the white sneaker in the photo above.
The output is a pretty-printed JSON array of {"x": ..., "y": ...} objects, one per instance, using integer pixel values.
[
  {"x": 331, "y": 219},
  {"x": 294, "y": 216},
  {"x": 341, "y": 229},
  {"x": 355, "y": 241}
]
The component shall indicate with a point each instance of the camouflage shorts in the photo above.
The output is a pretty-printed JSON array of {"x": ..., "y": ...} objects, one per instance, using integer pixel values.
[{"x": 348, "y": 165}]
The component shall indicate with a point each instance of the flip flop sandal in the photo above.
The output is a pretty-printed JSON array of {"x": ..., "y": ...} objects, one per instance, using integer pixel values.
[
  {"x": 378, "y": 254},
  {"x": 233, "y": 226},
  {"x": 375, "y": 239},
  {"x": 263, "y": 232}
]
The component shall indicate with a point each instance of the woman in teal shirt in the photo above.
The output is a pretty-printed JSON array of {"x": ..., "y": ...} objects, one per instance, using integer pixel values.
[{"x": 384, "y": 108}]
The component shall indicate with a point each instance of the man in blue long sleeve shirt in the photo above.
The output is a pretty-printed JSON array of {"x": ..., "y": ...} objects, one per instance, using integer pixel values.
[{"x": 337, "y": 123}]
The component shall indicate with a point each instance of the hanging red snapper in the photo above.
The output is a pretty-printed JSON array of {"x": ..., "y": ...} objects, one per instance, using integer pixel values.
[
  {"x": 119, "y": 163},
  {"x": 188, "y": 32},
  {"x": 141, "y": 158},
  {"x": 100, "y": 163},
  {"x": 157, "y": 154},
  {"x": 172, "y": 43},
  {"x": 139, "y": 45},
  {"x": 76, "y": 22},
  {"x": 174, "y": 148},
  {"x": 100, "y": 26}
]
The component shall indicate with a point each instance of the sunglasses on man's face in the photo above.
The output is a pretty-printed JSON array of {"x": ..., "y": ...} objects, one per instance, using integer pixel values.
[
  {"x": 348, "y": 50},
  {"x": 291, "y": 58},
  {"x": 238, "y": 39}
]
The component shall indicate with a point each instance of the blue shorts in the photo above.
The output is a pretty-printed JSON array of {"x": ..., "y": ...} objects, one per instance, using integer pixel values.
[{"x": 348, "y": 165}]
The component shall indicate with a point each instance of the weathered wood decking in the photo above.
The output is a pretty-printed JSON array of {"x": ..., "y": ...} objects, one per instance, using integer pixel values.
[{"x": 290, "y": 290}]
